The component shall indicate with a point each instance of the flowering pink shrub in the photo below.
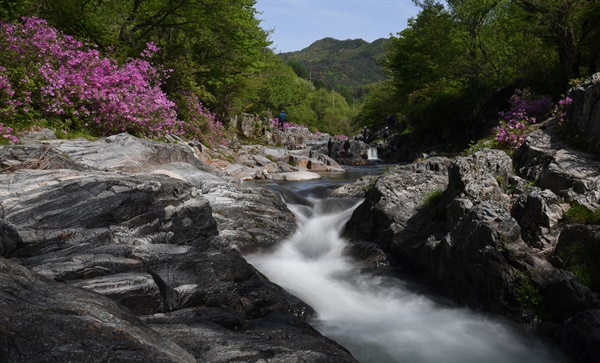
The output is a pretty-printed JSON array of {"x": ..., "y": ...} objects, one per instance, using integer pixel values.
[
  {"x": 52, "y": 75},
  {"x": 199, "y": 124},
  {"x": 516, "y": 123},
  {"x": 525, "y": 102},
  {"x": 274, "y": 122}
]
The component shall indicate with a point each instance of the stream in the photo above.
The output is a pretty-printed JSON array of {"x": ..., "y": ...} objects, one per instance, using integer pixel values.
[{"x": 380, "y": 317}]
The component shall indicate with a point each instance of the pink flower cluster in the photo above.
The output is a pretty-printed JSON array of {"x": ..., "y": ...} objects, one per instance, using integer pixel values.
[
  {"x": 53, "y": 75},
  {"x": 525, "y": 102},
  {"x": 516, "y": 123},
  {"x": 6, "y": 133},
  {"x": 275, "y": 124},
  {"x": 200, "y": 124},
  {"x": 560, "y": 109}
]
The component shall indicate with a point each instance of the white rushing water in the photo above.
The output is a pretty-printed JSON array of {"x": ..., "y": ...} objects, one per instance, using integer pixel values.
[
  {"x": 378, "y": 319},
  {"x": 372, "y": 153}
]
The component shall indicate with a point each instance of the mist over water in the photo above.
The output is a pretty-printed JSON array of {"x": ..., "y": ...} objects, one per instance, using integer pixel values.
[{"x": 379, "y": 318}]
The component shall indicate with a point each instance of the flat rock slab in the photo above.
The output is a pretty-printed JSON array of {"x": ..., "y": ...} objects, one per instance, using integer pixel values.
[{"x": 296, "y": 176}]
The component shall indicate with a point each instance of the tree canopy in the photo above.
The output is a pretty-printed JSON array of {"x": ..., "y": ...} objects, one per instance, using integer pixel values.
[
  {"x": 457, "y": 63},
  {"x": 449, "y": 72}
]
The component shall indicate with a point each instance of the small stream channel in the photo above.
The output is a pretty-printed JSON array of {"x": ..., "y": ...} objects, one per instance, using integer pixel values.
[{"x": 380, "y": 317}]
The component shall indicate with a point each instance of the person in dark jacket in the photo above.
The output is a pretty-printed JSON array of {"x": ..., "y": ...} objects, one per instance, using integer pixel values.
[{"x": 282, "y": 116}]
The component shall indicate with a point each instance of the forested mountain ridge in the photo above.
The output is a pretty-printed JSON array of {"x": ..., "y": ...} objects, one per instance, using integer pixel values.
[{"x": 351, "y": 62}]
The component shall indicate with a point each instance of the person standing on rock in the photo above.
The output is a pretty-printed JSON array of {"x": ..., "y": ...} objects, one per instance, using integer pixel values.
[
  {"x": 346, "y": 146},
  {"x": 282, "y": 116},
  {"x": 329, "y": 147}
]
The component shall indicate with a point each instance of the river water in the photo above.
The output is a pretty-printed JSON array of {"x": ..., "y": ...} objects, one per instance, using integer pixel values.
[{"x": 381, "y": 317}]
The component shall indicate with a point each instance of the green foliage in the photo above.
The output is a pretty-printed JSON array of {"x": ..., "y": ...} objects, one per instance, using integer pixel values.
[
  {"x": 528, "y": 295},
  {"x": 444, "y": 71},
  {"x": 484, "y": 143},
  {"x": 433, "y": 197},
  {"x": 299, "y": 68},
  {"x": 580, "y": 214},
  {"x": 584, "y": 263},
  {"x": 500, "y": 180},
  {"x": 210, "y": 44},
  {"x": 379, "y": 103},
  {"x": 449, "y": 64},
  {"x": 571, "y": 28},
  {"x": 337, "y": 63}
]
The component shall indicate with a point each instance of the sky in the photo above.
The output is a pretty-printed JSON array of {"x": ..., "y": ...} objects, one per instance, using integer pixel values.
[{"x": 296, "y": 24}]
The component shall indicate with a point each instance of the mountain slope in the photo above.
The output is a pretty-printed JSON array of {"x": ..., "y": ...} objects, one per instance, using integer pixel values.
[{"x": 351, "y": 63}]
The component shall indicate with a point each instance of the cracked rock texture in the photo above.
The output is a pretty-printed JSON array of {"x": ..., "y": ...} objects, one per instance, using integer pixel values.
[
  {"x": 490, "y": 239},
  {"x": 125, "y": 249}
]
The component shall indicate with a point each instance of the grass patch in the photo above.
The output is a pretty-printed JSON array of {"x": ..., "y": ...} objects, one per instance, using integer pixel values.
[
  {"x": 371, "y": 184},
  {"x": 580, "y": 260},
  {"x": 433, "y": 197},
  {"x": 485, "y": 143},
  {"x": 580, "y": 214}
]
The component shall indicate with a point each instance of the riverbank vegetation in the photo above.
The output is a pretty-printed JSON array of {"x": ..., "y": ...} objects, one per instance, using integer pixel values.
[
  {"x": 457, "y": 65},
  {"x": 151, "y": 67}
]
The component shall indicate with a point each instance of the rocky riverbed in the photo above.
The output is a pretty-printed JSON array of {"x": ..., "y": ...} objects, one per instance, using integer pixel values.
[
  {"x": 492, "y": 234},
  {"x": 124, "y": 249}
]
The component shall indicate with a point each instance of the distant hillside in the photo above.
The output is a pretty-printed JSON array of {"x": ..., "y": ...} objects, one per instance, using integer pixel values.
[{"x": 335, "y": 62}]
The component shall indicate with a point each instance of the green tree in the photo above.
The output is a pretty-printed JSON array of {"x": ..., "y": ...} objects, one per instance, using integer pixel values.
[
  {"x": 448, "y": 66},
  {"x": 572, "y": 28},
  {"x": 332, "y": 112},
  {"x": 299, "y": 68},
  {"x": 211, "y": 45},
  {"x": 380, "y": 102},
  {"x": 422, "y": 61}
]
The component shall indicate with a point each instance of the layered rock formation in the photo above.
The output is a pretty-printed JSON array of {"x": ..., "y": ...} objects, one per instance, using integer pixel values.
[
  {"x": 486, "y": 236},
  {"x": 129, "y": 250}
]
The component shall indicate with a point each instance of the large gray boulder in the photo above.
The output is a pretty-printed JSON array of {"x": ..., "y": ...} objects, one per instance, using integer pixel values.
[
  {"x": 582, "y": 332},
  {"x": 570, "y": 174},
  {"x": 44, "y": 320},
  {"x": 584, "y": 111},
  {"x": 394, "y": 213},
  {"x": 538, "y": 212}
]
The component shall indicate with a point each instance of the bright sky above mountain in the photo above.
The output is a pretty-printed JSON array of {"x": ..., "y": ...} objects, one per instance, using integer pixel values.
[{"x": 296, "y": 24}]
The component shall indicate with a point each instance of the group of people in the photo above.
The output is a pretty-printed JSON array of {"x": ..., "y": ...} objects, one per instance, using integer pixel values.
[
  {"x": 390, "y": 120},
  {"x": 330, "y": 147}
]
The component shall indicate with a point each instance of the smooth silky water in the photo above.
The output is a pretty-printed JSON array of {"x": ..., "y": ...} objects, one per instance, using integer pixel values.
[{"x": 381, "y": 318}]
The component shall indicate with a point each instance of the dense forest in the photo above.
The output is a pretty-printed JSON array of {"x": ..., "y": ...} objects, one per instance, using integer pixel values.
[
  {"x": 191, "y": 64},
  {"x": 343, "y": 66}
]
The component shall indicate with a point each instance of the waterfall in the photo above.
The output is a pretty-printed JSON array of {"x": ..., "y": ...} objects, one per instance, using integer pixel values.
[
  {"x": 382, "y": 318},
  {"x": 372, "y": 153}
]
